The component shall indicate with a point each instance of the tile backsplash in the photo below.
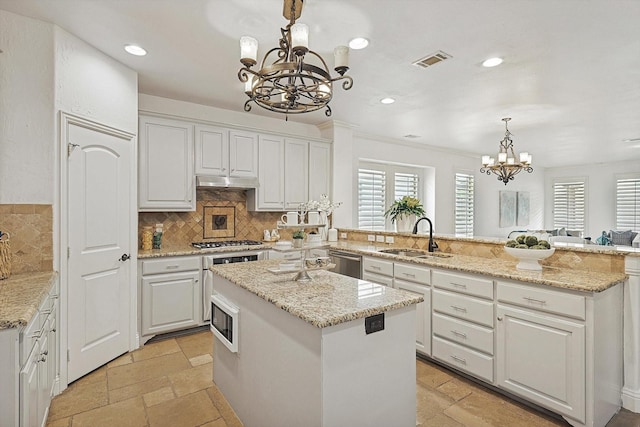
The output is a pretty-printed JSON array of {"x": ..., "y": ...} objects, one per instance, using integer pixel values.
[
  {"x": 182, "y": 228},
  {"x": 30, "y": 229}
]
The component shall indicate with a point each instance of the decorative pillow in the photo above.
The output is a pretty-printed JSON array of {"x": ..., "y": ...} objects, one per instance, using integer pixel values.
[{"x": 623, "y": 238}]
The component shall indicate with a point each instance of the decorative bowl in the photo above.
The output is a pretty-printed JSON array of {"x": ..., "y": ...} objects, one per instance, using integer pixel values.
[{"x": 529, "y": 259}]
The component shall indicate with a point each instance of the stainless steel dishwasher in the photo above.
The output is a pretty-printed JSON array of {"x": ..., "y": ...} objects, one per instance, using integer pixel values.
[{"x": 346, "y": 263}]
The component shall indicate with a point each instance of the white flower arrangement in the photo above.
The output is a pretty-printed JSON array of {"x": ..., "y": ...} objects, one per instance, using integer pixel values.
[{"x": 323, "y": 205}]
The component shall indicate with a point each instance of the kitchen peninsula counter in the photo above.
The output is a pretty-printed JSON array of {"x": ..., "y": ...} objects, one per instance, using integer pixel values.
[
  {"x": 305, "y": 356},
  {"x": 585, "y": 281},
  {"x": 20, "y": 296}
]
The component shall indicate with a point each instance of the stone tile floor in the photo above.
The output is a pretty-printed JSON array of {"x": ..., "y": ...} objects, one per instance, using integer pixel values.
[{"x": 168, "y": 383}]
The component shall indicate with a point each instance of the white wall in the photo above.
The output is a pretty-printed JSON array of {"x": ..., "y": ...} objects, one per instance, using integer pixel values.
[
  {"x": 93, "y": 85},
  {"x": 188, "y": 110},
  {"x": 601, "y": 192},
  {"x": 487, "y": 201},
  {"x": 26, "y": 110}
]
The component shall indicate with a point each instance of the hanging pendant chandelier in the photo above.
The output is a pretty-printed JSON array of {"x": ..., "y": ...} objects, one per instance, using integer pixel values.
[
  {"x": 292, "y": 79},
  {"x": 507, "y": 166}
]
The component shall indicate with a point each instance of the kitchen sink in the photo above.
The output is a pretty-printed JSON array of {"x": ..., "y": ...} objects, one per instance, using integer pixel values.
[{"x": 414, "y": 253}]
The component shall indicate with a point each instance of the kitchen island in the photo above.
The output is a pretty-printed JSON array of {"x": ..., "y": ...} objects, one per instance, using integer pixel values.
[{"x": 316, "y": 353}]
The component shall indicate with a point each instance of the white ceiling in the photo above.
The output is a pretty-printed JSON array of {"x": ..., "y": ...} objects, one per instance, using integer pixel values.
[{"x": 570, "y": 78}]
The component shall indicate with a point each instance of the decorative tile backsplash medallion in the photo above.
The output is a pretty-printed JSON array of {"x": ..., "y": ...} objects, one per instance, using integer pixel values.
[
  {"x": 182, "y": 228},
  {"x": 219, "y": 221},
  {"x": 576, "y": 260},
  {"x": 30, "y": 229}
]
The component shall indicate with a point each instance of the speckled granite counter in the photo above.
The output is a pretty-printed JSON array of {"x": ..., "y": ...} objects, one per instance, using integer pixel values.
[
  {"x": 329, "y": 299},
  {"x": 190, "y": 250},
  {"x": 20, "y": 296},
  {"x": 551, "y": 276}
]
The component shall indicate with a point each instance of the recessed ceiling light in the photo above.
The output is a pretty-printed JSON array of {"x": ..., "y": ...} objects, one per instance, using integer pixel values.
[
  {"x": 358, "y": 43},
  {"x": 387, "y": 100},
  {"x": 135, "y": 50},
  {"x": 492, "y": 62}
]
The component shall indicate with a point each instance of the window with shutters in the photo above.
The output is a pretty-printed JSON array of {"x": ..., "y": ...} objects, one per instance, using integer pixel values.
[
  {"x": 628, "y": 202},
  {"x": 379, "y": 185},
  {"x": 464, "y": 204},
  {"x": 569, "y": 203}
]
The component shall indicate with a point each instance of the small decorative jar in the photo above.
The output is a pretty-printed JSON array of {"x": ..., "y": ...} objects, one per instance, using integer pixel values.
[{"x": 147, "y": 238}]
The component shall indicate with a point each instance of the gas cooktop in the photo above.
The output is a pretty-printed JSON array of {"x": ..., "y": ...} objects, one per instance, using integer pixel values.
[{"x": 224, "y": 243}]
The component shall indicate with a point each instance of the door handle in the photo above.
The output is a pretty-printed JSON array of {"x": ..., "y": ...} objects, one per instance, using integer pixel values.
[{"x": 125, "y": 257}]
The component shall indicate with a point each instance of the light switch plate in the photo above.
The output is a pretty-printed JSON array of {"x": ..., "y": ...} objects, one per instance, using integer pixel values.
[
  {"x": 389, "y": 239},
  {"x": 371, "y": 237},
  {"x": 343, "y": 235},
  {"x": 380, "y": 239}
]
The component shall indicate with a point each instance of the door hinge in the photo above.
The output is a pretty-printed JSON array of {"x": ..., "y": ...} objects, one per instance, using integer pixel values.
[
  {"x": 70, "y": 147},
  {"x": 68, "y": 356},
  {"x": 68, "y": 252}
]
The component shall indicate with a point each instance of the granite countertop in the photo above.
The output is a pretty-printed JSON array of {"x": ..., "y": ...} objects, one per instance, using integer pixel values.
[
  {"x": 21, "y": 295},
  {"x": 328, "y": 299},
  {"x": 182, "y": 250},
  {"x": 586, "y": 281}
]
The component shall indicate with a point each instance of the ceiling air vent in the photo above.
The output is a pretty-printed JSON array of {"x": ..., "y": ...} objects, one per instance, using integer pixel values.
[{"x": 432, "y": 59}]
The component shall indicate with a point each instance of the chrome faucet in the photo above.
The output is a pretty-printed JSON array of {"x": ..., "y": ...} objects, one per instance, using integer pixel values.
[{"x": 432, "y": 245}]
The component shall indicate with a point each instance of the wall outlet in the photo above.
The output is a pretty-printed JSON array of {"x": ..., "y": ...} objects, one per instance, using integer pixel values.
[
  {"x": 343, "y": 235},
  {"x": 389, "y": 239},
  {"x": 371, "y": 237},
  {"x": 380, "y": 239}
]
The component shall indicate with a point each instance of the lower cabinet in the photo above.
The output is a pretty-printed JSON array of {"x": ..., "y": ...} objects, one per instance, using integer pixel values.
[
  {"x": 417, "y": 279},
  {"x": 377, "y": 271},
  {"x": 542, "y": 359},
  {"x": 171, "y": 293}
]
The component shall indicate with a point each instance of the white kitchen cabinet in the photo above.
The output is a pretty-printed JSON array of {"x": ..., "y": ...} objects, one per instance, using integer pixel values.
[
  {"x": 319, "y": 170},
  {"x": 171, "y": 294},
  {"x": 417, "y": 279},
  {"x": 296, "y": 174},
  {"x": 542, "y": 359},
  {"x": 166, "y": 181},
  {"x": 211, "y": 150},
  {"x": 377, "y": 271},
  {"x": 270, "y": 195},
  {"x": 243, "y": 154}
]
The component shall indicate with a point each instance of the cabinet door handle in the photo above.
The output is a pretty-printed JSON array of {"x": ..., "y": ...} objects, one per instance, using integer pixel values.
[
  {"x": 375, "y": 267},
  {"x": 459, "y": 285},
  {"x": 409, "y": 275},
  {"x": 539, "y": 301},
  {"x": 459, "y": 359},
  {"x": 36, "y": 334},
  {"x": 458, "y": 333},
  {"x": 48, "y": 311},
  {"x": 172, "y": 267},
  {"x": 500, "y": 318},
  {"x": 458, "y": 308}
]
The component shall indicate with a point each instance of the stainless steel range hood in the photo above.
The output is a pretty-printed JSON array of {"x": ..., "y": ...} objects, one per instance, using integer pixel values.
[{"x": 226, "y": 182}]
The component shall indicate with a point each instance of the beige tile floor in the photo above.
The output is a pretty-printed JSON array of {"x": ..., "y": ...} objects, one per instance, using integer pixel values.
[{"x": 168, "y": 383}]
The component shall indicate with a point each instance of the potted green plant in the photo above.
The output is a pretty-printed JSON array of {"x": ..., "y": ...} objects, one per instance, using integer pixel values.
[
  {"x": 404, "y": 212},
  {"x": 298, "y": 238}
]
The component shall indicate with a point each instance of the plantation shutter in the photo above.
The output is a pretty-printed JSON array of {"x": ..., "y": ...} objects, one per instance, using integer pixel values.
[
  {"x": 569, "y": 205},
  {"x": 371, "y": 199},
  {"x": 464, "y": 205},
  {"x": 628, "y": 204},
  {"x": 406, "y": 184}
]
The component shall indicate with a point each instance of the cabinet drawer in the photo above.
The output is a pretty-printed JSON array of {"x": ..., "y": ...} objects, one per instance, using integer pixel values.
[
  {"x": 171, "y": 265},
  {"x": 465, "y": 333},
  {"x": 377, "y": 266},
  {"x": 465, "y": 359},
  {"x": 463, "y": 283},
  {"x": 463, "y": 307},
  {"x": 548, "y": 300},
  {"x": 412, "y": 273},
  {"x": 378, "y": 278}
]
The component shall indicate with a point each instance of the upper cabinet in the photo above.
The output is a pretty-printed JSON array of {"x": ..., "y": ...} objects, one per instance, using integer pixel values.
[
  {"x": 224, "y": 152},
  {"x": 165, "y": 174},
  {"x": 270, "y": 195},
  {"x": 319, "y": 170},
  {"x": 296, "y": 173}
]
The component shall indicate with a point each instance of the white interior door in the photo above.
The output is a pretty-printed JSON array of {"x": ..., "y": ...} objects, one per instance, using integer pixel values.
[{"x": 100, "y": 181}]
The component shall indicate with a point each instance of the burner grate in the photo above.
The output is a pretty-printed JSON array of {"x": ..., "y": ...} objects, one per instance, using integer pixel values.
[{"x": 224, "y": 243}]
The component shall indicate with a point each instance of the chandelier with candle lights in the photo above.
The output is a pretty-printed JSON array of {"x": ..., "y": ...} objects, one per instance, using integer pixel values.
[
  {"x": 507, "y": 167},
  {"x": 292, "y": 79}
]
